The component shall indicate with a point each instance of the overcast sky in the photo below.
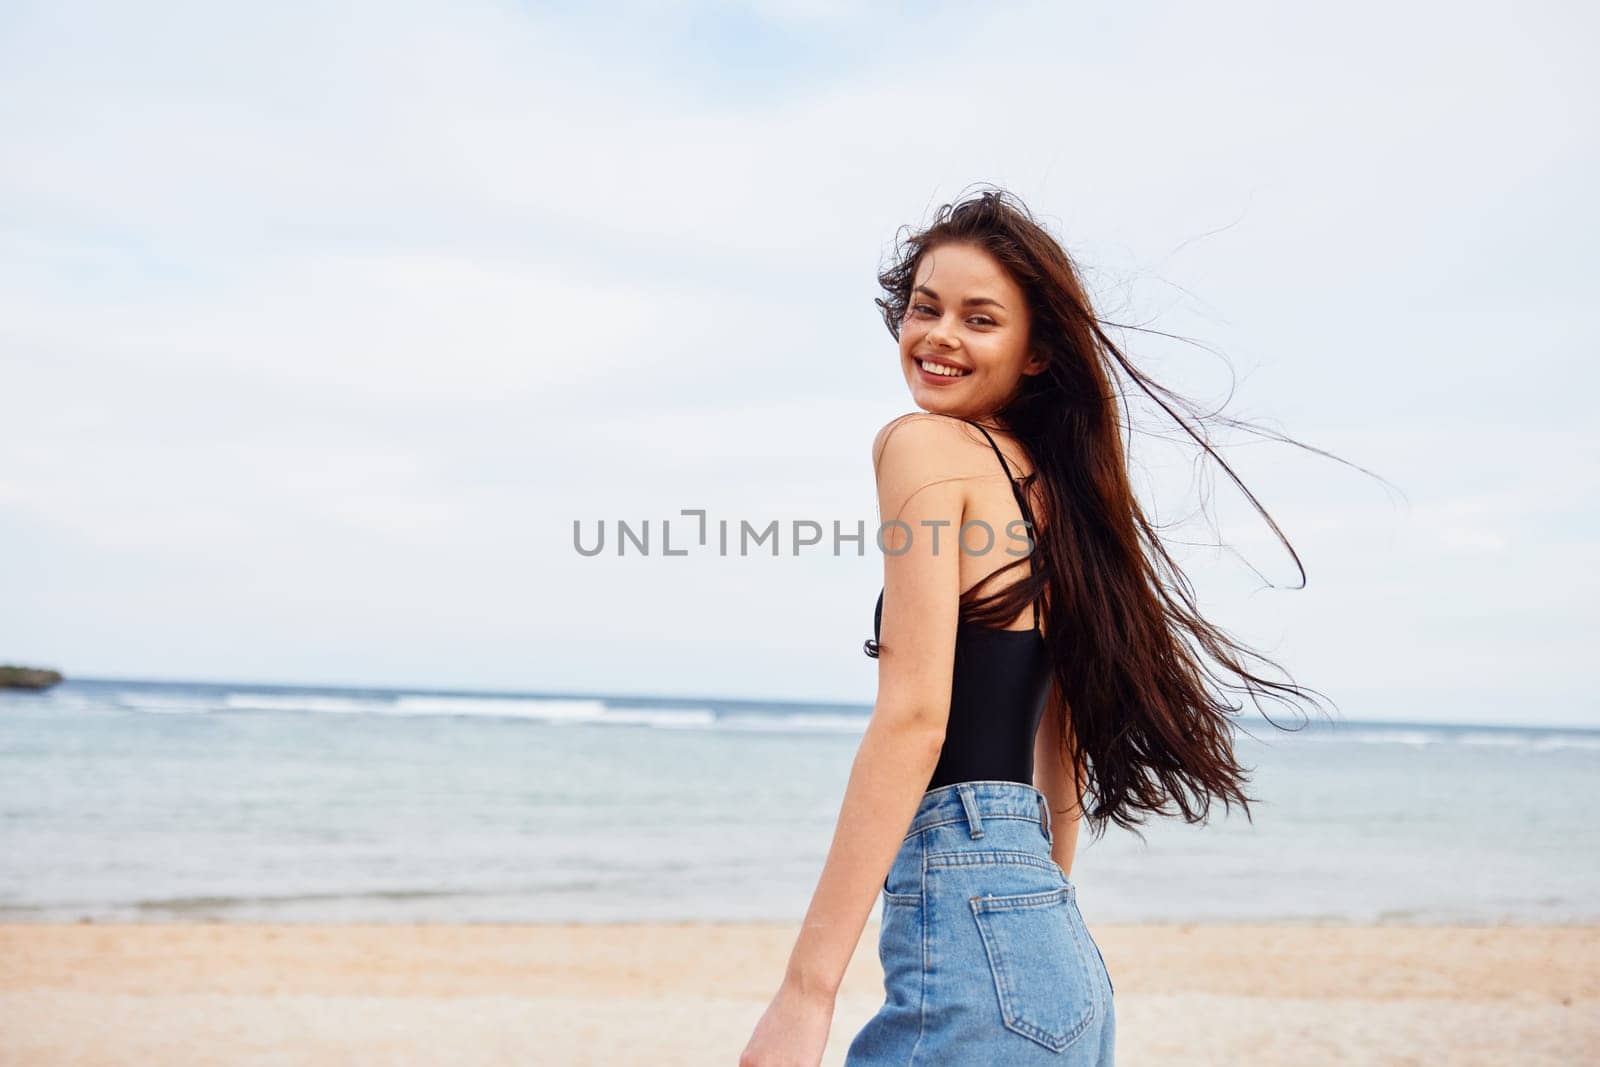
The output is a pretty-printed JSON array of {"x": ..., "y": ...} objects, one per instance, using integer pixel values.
[{"x": 321, "y": 324}]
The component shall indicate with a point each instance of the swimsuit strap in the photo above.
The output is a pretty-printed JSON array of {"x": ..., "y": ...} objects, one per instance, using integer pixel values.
[{"x": 1022, "y": 502}]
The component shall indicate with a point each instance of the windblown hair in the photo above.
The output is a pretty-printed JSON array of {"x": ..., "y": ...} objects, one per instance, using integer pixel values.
[{"x": 1130, "y": 654}]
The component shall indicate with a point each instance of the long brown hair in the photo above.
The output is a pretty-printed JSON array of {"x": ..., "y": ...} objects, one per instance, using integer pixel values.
[{"x": 1127, "y": 643}]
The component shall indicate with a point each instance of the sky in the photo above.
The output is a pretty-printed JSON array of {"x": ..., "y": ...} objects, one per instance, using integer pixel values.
[{"x": 322, "y": 324}]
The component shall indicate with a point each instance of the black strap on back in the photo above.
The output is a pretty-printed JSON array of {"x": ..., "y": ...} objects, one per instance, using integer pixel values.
[{"x": 1022, "y": 503}]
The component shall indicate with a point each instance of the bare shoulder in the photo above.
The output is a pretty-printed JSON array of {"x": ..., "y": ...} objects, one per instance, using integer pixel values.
[
  {"x": 921, "y": 441},
  {"x": 922, "y": 463}
]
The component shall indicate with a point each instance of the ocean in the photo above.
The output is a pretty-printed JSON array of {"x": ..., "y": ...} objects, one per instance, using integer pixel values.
[{"x": 140, "y": 801}]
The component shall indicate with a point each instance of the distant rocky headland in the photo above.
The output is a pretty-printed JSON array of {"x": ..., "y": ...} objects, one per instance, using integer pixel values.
[{"x": 27, "y": 677}]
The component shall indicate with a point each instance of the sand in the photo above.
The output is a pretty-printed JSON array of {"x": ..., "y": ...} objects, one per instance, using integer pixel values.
[{"x": 658, "y": 994}]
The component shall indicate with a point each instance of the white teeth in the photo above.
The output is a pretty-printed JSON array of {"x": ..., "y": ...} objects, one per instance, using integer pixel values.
[{"x": 940, "y": 368}]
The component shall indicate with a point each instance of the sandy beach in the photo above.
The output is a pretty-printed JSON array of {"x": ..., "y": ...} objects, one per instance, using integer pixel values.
[{"x": 689, "y": 993}]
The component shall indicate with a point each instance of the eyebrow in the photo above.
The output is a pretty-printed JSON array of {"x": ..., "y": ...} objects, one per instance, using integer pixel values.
[{"x": 971, "y": 301}]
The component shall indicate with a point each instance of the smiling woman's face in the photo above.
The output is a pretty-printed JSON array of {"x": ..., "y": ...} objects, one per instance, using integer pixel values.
[{"x": 967, "y": 314}]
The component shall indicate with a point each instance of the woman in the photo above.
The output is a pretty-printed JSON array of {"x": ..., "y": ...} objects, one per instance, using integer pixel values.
[{"x": 1040, "y": 659}]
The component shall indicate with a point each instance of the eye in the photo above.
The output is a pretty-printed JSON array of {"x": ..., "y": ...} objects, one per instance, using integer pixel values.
[{"x": 983, "y": 320}]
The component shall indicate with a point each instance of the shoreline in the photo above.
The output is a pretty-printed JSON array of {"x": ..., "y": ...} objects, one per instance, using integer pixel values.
[{"x": 690, "y": 992}]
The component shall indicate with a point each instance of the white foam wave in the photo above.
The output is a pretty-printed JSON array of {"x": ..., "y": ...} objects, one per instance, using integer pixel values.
[
  {"x": 798, "y": 722},
  {"x": 502, "y": 707},
  {"x": 1512, "y": 739},
  {"x": 321, "y": 703},
  {"x": 165, "y": 703},
  {"x": 593, "y": 711},
  {"x": 1374, "y": 737},
  {"x": 1535, "y": 742},
  {"x": 667, "y": 718}
]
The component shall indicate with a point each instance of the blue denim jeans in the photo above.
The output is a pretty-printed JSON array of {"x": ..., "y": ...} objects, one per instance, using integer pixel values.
[{"x": 986, "y": 957}]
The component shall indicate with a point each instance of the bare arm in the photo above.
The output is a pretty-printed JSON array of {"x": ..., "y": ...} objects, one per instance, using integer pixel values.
[
  {"x": 892, "y": 768},
  {"x": 1052, "y": 776}
]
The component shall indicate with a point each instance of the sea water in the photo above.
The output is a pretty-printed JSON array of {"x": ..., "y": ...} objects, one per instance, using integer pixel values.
[{"x": 171, "y": 801}]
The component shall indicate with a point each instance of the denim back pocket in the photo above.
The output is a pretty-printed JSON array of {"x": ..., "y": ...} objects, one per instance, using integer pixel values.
[{"x": 1037, "y": 959}]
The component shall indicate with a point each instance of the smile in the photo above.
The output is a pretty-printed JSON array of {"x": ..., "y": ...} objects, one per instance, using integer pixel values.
[{"x": 944, "y": 370}]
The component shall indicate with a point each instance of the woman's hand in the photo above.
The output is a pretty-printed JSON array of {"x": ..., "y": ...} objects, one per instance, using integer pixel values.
[{"x": 793, "y": 1031}]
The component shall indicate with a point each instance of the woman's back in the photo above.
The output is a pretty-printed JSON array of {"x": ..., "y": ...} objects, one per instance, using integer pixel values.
[{"x": 1001, "y": 674}]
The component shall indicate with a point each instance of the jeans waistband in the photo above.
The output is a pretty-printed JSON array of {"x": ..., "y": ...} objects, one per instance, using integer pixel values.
[{"x": 972, "y": 801}]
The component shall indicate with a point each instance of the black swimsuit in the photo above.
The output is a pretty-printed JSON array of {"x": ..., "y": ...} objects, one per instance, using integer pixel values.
[{"x": 999, "y": 685}]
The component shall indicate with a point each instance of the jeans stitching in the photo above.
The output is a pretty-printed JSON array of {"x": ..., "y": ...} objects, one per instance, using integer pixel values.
[
  {"x": 1004, "y": 807},
  {"x": 961, "y": 820},
  {"x": 926, "y": 922},
  {"x": 983, "y": 904},
  {"x": 1112, "y": 986},
  {"x": 990, "y": 857}
]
